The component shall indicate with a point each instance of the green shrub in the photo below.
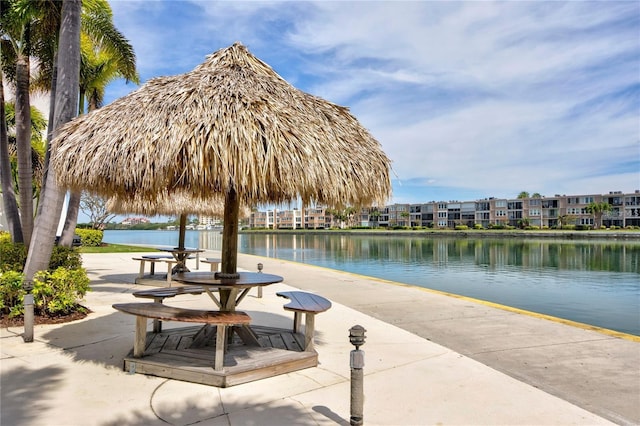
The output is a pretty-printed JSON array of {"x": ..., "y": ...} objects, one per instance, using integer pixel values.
[
  {"x": 11, "y": 293},
  {"x": 58, "y": 292},
  {"x": 65, "y": 257},
  {"x": 13, "y": 255},
  {"x": 54, "y": 292},
  {"x": 461, "y": 227},
  {"x": 478, "y": 226},
  {"x": 90, "y": 237}
]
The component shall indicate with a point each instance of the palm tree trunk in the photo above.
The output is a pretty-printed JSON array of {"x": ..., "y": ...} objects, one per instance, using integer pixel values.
[
  {"x": 73, "y": 207},
  {"x": 23, "y": 143},
  {"x": 52, "y": 109},
  {"x": 8, "y": 194},
  {"x": 66, "y": 107},
  {"x": 71, "y": 220}
]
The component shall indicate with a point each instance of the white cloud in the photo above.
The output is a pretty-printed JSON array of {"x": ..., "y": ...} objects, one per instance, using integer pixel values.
[{"x": 478, "y": 97}]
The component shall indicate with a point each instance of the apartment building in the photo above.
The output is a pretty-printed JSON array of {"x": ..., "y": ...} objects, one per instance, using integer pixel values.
[
  {"x": 544, "y": 212},
  {"x": 209, "y": 221}
]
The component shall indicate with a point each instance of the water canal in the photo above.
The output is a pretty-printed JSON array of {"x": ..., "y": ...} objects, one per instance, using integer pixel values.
[{"x": 595, "y": 282}]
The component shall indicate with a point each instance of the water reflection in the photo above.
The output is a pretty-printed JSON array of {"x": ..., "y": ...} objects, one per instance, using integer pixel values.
[
  {"x": 594, "y": 282},
  {"x": 441, "y": 252}
]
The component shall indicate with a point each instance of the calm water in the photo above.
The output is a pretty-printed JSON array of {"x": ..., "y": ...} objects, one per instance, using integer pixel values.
[{"x": 594, "y": 282}]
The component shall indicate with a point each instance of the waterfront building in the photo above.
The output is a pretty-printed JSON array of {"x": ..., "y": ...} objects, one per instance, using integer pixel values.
[
  {"x": 208, "y": 222},
  {"x": 134, "y": 221},
  {"x": 541, "y": 212}
]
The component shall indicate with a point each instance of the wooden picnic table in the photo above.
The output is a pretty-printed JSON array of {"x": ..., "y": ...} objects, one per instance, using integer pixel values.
[
  {"x": 181, "y": 255},
  {"x": 230, "y": 291}
]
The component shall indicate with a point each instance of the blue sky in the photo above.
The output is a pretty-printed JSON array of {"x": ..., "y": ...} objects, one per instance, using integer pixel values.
[{"x": 468, "y": 99}]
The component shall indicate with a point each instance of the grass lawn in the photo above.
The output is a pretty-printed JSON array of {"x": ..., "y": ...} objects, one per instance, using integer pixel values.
[{"x": 117, "y": 248}]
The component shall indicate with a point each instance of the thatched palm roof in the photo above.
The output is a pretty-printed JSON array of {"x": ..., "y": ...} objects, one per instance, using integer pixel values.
[
  {"x": 230, "y": 128},
  {"x": 231, "y": 123},
  {"x": 178, "y": 203}
]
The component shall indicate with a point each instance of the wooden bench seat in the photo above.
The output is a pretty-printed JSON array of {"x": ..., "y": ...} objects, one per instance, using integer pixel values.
[
  {"x": 152, "y": 262},
  {"x": 308, "y": 303},
  {"x": 214, "y": 262},
  {"x": 159, "y": 311},
  {"x": 159, "y": 294}
]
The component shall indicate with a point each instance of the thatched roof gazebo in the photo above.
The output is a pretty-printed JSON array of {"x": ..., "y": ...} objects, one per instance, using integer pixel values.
[{"x": 230, "y": 128}]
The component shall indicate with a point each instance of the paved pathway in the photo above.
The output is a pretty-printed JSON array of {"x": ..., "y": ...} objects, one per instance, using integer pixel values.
[{"x": 72, "y": 373}]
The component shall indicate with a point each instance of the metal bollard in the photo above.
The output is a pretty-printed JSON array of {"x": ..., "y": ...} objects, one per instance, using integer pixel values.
[
  {"x": 28, "y": 312},
  {"x": 356, "y": 337},
  {"x": 260, "y": 267}
]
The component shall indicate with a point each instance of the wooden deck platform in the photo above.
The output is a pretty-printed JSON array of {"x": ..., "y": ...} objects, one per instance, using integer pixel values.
[{"x": 168, "y": 354}]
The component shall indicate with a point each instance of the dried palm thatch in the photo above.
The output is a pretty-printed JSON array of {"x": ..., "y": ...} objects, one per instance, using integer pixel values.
[
  {"x": 232, "y": 126},
  {"x": 177, "y": 203},
  {"x": 232, "y": 122}
]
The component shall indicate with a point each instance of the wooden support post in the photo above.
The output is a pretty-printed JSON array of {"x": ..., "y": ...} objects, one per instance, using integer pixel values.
[
  {"x": 218, "y": 361},
  {"x": 309, "y": 329},
  {"x": 297, "y": 320},
  {"x": 230, "y": 233},
  {"x": 141, "y": 274},
  {"x": 140, "y": 341}
]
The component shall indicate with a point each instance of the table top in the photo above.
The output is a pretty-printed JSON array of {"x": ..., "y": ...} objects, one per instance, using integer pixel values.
[
  {"x": 181, "y": 250},
  {"x": 246, "y": 279}
]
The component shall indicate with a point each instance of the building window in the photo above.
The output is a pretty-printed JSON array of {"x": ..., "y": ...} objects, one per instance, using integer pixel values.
[{"x": 501, "y": 203}]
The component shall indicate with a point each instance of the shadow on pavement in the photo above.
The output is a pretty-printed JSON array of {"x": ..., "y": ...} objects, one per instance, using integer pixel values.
[
  {"x": 103, "y": 340},
  {"x": 24, "y": 403}
]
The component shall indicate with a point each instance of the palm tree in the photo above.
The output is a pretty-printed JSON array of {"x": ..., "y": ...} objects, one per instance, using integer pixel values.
[
  {"x": 16, "y": 20},
  {"x": 8, "y": 193},
  {"x": 65, "y": 109},
  {"x": 597, "y": 210},
  {"x": 375, "y": 216},
  {"x": 26, "y": 28},
  {"x": 404, "y": 216},
  {"x": 38, "y": 128},
  {"x": 105, "y": 55},
  {"x": 523, "y": 194}
]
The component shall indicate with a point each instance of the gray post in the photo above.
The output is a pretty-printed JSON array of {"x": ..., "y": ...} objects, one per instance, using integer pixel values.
[
  {"x": 260, "y": 267},
  {"x": 28, "y": 312},
  {"x": 357, "y": 337}
]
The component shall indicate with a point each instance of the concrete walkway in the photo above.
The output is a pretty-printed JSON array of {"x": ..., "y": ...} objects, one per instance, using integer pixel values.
[{"x": 430, "y": 359}]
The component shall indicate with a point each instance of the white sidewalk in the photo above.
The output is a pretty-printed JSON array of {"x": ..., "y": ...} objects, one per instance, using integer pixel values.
[{"x": 71, "y": 374}]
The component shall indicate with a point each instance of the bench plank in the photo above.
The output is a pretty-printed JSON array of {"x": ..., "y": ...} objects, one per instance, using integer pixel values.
[
  {"x": 214, "y": 262},
  {"x": 159, "y": 311},
  {"x": 308, "y": 303},
  {"x": 170, "y": 313},
  {"x": 152, "y": 268},
  {"x": 164, "y": 292},
  {"x": 304, "y": 302},
  {"x": 159, "y": 294}
]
